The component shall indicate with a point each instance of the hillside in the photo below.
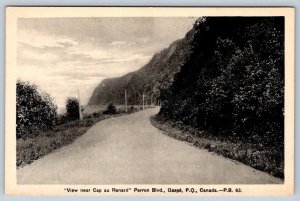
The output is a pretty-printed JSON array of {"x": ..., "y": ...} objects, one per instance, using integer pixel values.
[
  {"x": 151, "y": 79},
  {"x": 232, "y": 84}
]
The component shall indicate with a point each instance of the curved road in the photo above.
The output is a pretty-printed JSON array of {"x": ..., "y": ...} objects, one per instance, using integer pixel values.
[{"x": 129, "y": 150}]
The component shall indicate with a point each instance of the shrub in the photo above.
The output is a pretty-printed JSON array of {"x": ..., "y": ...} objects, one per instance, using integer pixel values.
[
  {"x": 72, "y": 107},
  {"x": 132, "y": 109},
  {"x": 35, "y": 110},
  {"x": 97, "y": 114},
  {"x": 111, "y": 109}
]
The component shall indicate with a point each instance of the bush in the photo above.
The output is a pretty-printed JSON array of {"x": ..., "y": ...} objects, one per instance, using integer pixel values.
[
  {"x": 35, "y": 110},
  {"x": 97, "y": 114},
  {"x": 132, "y": 109},
  {"x": 72, "y": 107},
  {"x": 111, "y": 109}
]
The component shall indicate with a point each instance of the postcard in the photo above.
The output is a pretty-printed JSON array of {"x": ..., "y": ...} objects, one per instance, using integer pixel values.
[{"x": 168, "y": 101}]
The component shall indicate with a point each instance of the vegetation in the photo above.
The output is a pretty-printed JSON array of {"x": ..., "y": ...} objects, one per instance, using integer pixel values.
[
  {"x": 72, "y": 108},
  {"x": 35, "y": 110},
  {"x": 232, "y": 84},
  {"x": 111, "y": 109},
  {"x": 40, "y": 130},
  {"x": 249, "y": 153},
  {"x": 64, "y": 133},
  {"x": 45, "y": 142}
]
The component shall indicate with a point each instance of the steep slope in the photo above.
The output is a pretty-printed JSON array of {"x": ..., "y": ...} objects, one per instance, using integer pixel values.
[
  {"x": 150, "y": 79},
  {"x": 232, "y": 84}
]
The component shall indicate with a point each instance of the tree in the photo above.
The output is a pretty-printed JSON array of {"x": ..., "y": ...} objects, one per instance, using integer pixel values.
[
  {"x": 72, "y": 108},
  {"x": 35, "y": 110}
]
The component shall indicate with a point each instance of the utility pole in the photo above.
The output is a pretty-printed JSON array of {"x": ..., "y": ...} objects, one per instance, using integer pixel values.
[
  {"x": 125, "y": 100},
  {"x": 146, "y": 103},
  {"x": 143, "y": 101},
  {"x": 80, "y": 115}
]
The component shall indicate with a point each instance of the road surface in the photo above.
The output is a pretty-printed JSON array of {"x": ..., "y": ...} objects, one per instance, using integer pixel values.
[{"x": 129, "y": 150}]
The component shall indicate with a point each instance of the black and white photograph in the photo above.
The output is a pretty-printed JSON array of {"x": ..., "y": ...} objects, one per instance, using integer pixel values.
[{"x": 168, "y": 101}]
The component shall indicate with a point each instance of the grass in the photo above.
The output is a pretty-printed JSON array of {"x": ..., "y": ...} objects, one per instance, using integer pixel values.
[
  {"x": 31, "y": 149},
  {"x": 267, "y": 159}
]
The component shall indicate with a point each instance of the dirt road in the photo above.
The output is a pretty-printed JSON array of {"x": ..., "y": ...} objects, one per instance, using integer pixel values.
[{"x": 129, "y": 150}]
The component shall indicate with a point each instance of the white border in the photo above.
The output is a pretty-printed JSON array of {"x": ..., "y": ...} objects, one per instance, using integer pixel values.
[{"x": 13, "y": 13}]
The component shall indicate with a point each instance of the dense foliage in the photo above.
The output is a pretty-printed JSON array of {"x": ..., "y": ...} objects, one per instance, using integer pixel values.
[
  {"x": 72, "y": 107},
  {"x": 233, "y": 81},
  {"x": 35, "y": 110}
]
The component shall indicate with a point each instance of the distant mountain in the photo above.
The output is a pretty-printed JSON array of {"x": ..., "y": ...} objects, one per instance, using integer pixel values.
[{"x": 155, "y": 76}]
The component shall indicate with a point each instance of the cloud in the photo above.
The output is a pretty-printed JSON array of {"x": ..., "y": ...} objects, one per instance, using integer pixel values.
[
  {"x": 27, "y": 54},
  {"x": 144, "y": 39},
  {"x": 123, "y": 43},
  {"x": 65, "y": 44},
  {"x": 38, "y": 39},
  {"x": 118, "y": 43},
  {"x": 82, "y": 74}
]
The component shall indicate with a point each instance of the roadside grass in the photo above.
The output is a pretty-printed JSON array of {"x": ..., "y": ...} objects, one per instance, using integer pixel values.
[
  {"x": 267, "y": 159},
  {"x": 45, "y": 142}
]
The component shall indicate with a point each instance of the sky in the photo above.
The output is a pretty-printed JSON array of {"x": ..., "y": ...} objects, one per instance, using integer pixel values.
[{"x": 64, "y": 55}]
